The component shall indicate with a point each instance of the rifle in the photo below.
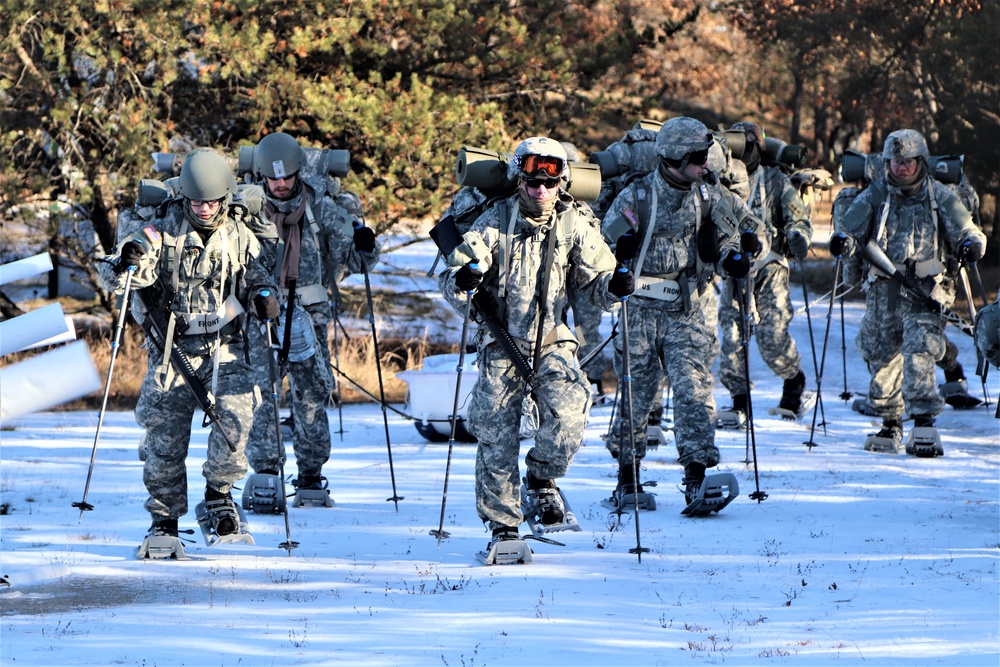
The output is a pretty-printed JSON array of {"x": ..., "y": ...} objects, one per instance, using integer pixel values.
[
  {"x": 154, "y": 323},
  {"x": 874, "y": 255}
]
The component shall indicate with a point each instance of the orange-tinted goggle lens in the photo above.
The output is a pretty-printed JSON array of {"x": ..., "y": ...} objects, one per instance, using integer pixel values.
[{"x": 536, "y": 165}]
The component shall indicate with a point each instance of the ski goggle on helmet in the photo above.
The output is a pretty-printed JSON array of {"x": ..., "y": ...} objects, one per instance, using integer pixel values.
[{"x": 539, "y": 159}]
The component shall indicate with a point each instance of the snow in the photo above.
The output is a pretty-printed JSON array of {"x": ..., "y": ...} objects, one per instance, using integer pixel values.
[{"x": 853, "y": 558}]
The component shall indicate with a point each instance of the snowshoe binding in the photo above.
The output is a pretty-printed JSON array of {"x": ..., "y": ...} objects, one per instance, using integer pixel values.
[
  {"x": 924, "y": 440},
  {"x": 655, "y": 436},
  {"x": 311, "y": 488},
  {"x": 888, "y": 440},
  {"x": 860, "y": 405},
  {"x": 162, "y": 541},
  {"x": 221, "y": 521},
  {"x": 956, "y": 394},
  {"x": 795, "y": 400},
  {"x": 264, "y": 493},
  {"x": 734, "y": 418},
  {"x": 627, "y": 496},
  {"x": 705, "y": 494},
  {"x": 545, "y": 508},
  {"x": 506, "y": 548}
]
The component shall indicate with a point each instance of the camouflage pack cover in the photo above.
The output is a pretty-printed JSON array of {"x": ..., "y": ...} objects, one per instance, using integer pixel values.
[{"x": 636, "y": 151}]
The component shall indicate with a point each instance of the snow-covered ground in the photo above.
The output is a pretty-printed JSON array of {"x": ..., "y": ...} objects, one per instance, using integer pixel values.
[{"x": 853, "y": 558}]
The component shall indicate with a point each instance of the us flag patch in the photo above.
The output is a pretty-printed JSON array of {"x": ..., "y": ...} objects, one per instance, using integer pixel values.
[{"x": 631, "y": 217}]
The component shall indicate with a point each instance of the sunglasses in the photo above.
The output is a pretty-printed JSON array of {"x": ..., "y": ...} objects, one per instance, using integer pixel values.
[
  {"x": 549, "y": 183},
  {"x": 698, "y": 157},
  {"x": 537, "y": 165}
]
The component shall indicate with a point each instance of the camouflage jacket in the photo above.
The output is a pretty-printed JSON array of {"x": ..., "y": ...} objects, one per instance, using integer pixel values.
[
  {"x": 582, "y": 262},
  {"x": 179, "y": 261},
  {"x": 776, "y": 201},
  {"x": 674, "y": 244}
]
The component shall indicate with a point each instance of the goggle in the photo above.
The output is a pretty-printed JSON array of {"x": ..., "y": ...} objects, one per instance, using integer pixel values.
[
  {"x": 908, "y": 162},
  {"x": 698, "y": 157},
  {"x": 549, "y": 183},
  {"x": 536, "y": 165}
]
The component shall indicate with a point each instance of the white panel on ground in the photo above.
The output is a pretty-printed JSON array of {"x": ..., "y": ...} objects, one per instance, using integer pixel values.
[
  {"x": 25, "y": 268},
  {"x": 28, "y": 330},
  {"x": 47, "y": 380}
]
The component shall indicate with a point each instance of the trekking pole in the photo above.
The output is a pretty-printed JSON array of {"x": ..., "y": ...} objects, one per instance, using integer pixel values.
[
  {"x": 115, "y": 346},
  {"x": 288, "y": 544},
  {"x": 812, "y": 341},
  {"x": 441, "y": 533},
  {"x": 336, "y": 381},
  {"x": 844, "y": 395},
  {"x": 977, "y": 282},
  {"x": 627, "y": 401},
  {"x": 378, "y": 367},
  {"x": 743, "y": 297},
  {"x": 822, "y": 363}
]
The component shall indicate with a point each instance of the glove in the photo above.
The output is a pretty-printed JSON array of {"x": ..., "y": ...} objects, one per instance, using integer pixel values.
[
  {"x": 840, "y": 244},
  {"x": 364, "y": 239},
  {"x": 736, "y": 264},
  {"x": 131, "y": 253},
  {"x": 622, "y": 283},
  {"x": 750, "y": 243},
  {"x": 266, "y": 305},
  {"x": 469, "y": 277},
  {"x": 626, "y": 247},
  {"x": 970, "y": 251},
  {"x": 798, "y": 244}
]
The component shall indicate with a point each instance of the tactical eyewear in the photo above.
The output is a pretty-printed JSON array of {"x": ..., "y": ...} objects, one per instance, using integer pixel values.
[
  {"x": 536, "y": 165},
  {"x": 539, "y": 182},
  {"x": 907, "y": 162},
  {"x": 698, "y": 157}
]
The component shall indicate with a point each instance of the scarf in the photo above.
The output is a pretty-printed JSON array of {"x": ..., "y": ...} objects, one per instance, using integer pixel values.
[
  {"x": 535, "y": 211},
  {"x": 287, "y": 217}
]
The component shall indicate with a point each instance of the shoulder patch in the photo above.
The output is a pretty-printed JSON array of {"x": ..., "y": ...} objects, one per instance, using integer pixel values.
[
  {"x": 632, "y": 218},
  {"x": 152, "y": 234}
]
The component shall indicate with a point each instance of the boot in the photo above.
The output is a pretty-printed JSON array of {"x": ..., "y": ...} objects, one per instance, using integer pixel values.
[
  {"x": 222, "y": 512},
  {"x": 504, "y": 534},
  {"x": 550, "y": 507},
  {"x": 309, "y": 481},
  {"x": 625, "y": 485},
  {"x": 163, "y": 527},
  {"x": 892, "y": 428},
  {"x": 921, "y": 421},
  {"x": 694, "y": 475},
  {"x": 955, "y": 390},
  {"x": 791, "y": 393}
]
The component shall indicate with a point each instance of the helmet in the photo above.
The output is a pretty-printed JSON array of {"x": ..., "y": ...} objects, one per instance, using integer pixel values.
[
  {"x": 207, "y": 176},
  {"x": 749, "y": 129},
  {"x": 278, "y": 155},
  {"x": 680, "y": 136},
  {"x": 527, "y": 164},
  {"x": 905, "y": 144}
]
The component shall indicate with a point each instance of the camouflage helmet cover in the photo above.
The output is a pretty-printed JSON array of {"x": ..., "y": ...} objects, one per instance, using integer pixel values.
[
  {"x": 278, "y": 155},
  {"x": 905, "y": 144},
  {"x": 207, "y": 176},
  {"x": 682, "y": 135},
  {"x": 750, "y": 128},
  {"x": 535, "y": 146}
]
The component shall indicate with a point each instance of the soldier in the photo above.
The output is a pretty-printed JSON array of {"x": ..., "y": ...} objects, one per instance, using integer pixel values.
[
  {"x": 197, "y": 262},
  {"x": 321, "y": 238},
  {"x": 684, "y": 226},
  {"x": 774, "y": 200},
  {"x": 523, "y": 253},
  {"x": 906, "y": 214}
]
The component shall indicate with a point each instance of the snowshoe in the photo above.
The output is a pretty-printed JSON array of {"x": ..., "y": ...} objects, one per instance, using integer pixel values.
[
  {"x": 311, "y": 489},
  {"x": 806, "y": 403},
  {"x": 162, "y": 542},
  {"x": 264, "y": 494},
  {"x": 655, "y": 436},
  {"x": 956, "y": 394},
  {"x": 924, "y": 440},
  {"x": 221, "y": 520},
  {"x": 625, "y": 496},
  {"x": 711, "y": 495},
  {"x": 506, "y": 548},
  {"x": 546, "y": 509},
  {"x": 735, "y": 417},
  {"x": 888, "y": 440}
]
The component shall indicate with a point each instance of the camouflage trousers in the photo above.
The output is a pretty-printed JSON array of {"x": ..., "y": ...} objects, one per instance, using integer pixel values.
[
  {"x": 310, "y": 383},
  {"x": 774, "y": 315},
  {"x": 495, "y": 419},
  {"x": 587, "y": 320},
  {"x": 664, "y": 340},
  {"x": 165, "y": 410},
  {"x": 901, "y": 347}
]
